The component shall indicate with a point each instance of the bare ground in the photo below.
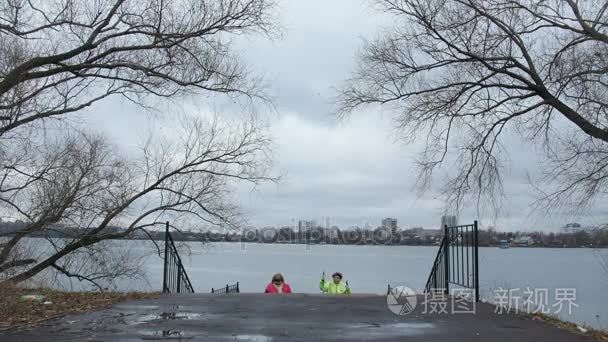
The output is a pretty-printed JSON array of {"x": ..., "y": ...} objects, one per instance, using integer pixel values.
[{"x": 15, "y": 311}]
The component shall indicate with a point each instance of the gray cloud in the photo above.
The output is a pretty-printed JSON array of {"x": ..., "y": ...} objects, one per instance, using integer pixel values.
[{"x": 353, "y": 171}]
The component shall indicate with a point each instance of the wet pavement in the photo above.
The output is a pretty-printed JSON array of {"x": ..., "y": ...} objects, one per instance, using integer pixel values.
[{"x": 297, "y": 317}]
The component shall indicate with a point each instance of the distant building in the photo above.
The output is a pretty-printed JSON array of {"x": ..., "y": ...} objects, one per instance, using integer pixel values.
[
  {"x": 423, "y": 233},
  {"x": 430, "y": 232},
  {"x": 449, "y": 220},
  {"x": 390, "y": 224},
  {"x": 304, "y": 226},
  {"x": 333, "y": 233},
  {"x": 524, "y": 241},
  {"x": 572, "y": 228}
]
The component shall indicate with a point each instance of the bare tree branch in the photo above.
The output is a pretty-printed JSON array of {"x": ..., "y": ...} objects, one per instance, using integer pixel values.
[
  {"x": 463, "y": 73},
  {"x": 81, "y": 182},
  {"x": 85, "y": 52}
]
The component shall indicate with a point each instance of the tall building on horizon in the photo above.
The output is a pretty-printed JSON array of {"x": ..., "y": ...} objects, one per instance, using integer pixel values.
[
  {"x": 333, "y": 233},
  {"x": 448, "y": 220},
  {"x": 305, "y": 225},
  {"x": 390, "y": 224}
]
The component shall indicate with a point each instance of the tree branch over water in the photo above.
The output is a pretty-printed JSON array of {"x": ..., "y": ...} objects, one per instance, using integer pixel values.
[
  {"x": 464, "y": 75},
  {"x": 60, "y": 57},
  {"x": 81, "y": 181}
]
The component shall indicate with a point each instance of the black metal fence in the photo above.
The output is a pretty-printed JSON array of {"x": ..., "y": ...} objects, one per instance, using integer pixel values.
[
  {"x": 175, "y": 278},
  {"x": 227, "y": 289},
  {"x": 457, "y": 261}
]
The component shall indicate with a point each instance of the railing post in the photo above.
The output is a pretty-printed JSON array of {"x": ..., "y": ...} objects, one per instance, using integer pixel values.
[
  {"x": 476, "y": 266},
  {"x": 237, "y": 288},
  {"x": 165, "y": 286},
  {"x": 179, "y": 279},
  {"x": 227, "y": 289},
  {"x": 446, "y": 236}
]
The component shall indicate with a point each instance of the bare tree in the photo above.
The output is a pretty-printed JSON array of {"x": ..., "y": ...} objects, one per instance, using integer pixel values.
[
  {"x": 58, "y": 57},
  {"x": 81, "y": 182},
  {"x": 463, "y": 74},
  {"x": 61, "y": 56}
]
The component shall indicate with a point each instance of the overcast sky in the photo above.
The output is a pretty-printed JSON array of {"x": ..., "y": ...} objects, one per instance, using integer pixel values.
[{"x": 355, "y": 171}]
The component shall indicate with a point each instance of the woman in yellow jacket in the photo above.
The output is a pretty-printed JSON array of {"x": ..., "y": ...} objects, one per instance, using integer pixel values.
[{"x": 335, "y": 287}]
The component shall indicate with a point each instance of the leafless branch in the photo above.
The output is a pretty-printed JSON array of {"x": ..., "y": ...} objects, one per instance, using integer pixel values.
[
  {"x": 80, "y": 184},
  {"x": 464, "y": 74},
  {"x": 59, "y": 57}
]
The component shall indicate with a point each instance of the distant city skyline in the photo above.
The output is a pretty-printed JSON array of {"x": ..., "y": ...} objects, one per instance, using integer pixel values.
[{"x": 395, "y": 224}]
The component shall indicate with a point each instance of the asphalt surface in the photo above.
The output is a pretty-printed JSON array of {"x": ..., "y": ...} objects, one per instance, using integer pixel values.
[{"x": 296, "y": 317}]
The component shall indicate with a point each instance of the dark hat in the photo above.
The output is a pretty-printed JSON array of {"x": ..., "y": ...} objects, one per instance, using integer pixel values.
[{"x": 337, "y": 274}]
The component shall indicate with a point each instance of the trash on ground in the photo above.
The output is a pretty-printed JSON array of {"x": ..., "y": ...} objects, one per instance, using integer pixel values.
[{"x": 38, "y": 298}]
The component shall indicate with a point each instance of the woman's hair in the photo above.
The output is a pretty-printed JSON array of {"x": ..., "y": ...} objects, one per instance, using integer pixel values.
[
  {"x": 278, "y": 276},
  {"x": 337, "y": 274}
]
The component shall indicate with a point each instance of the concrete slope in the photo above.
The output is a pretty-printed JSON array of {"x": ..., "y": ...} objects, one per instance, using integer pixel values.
[{"x": 297, "y": 317}]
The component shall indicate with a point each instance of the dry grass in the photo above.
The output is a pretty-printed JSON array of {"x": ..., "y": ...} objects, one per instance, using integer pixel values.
[
  {"x": 598, "y": 335},
  {"x": 15, "y": 311}
]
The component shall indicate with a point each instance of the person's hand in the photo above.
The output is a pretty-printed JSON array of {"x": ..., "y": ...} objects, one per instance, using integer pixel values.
[
  {"x": 323, "y": 276},
  {"x": 347, "y": 286}
]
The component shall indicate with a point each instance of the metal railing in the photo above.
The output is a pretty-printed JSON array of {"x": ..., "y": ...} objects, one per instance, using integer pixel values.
[
  {"x": 457, "y": 261},
  {"x": 175, "y": 278},
  {"x": 227, "y": 289}
]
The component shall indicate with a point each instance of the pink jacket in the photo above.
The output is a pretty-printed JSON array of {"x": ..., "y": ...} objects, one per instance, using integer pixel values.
[{"x": 272, "y": 289}]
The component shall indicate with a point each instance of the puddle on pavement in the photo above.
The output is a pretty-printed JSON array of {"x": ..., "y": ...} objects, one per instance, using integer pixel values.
[
  {"x": 381, "y": 330},
  {"x": 131, "y": 307},
  {"x": 167, "y": 316},
  {"x": 252, "y": 338},
  {"x": 161, "y": 335}
]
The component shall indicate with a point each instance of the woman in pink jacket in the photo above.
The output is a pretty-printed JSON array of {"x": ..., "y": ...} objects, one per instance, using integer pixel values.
[{"x": 278, "y": 285}]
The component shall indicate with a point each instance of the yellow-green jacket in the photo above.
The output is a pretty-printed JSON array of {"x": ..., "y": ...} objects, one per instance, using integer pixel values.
[{"x": 332, "y": 288}]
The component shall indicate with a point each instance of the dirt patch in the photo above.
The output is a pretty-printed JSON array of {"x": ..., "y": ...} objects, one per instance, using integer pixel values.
[{"x": 16, "y": 311}]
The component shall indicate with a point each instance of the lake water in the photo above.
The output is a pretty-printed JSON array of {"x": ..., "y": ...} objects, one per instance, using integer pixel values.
[{"x": 370, "y": 268}]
